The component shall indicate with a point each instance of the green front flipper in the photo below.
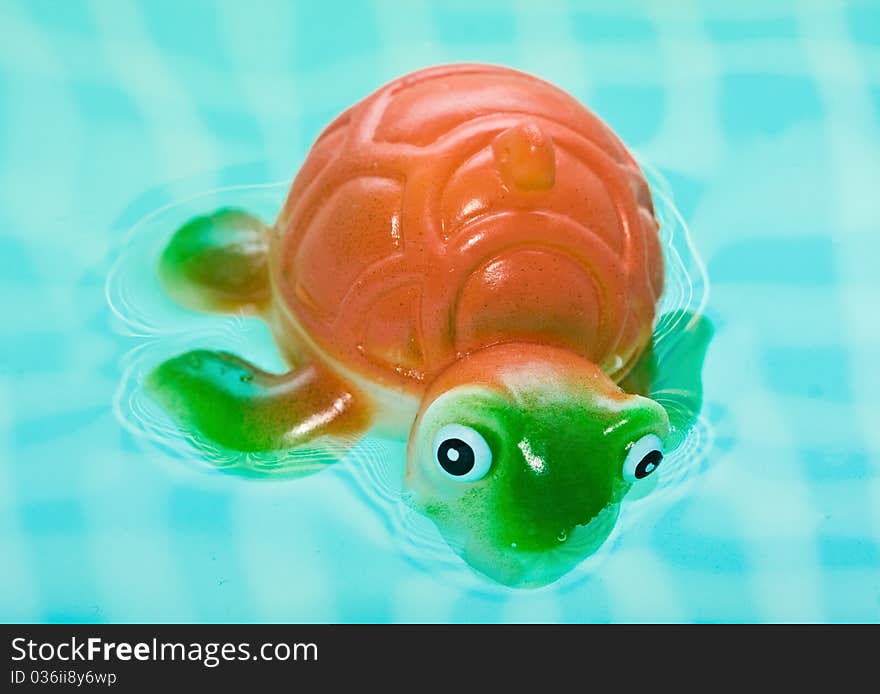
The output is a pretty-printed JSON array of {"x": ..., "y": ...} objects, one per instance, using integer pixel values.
[
  {"x": 671, "y": 371},
  {"x": 228, "y": 401},
  {"x": 218, "y": 263}
]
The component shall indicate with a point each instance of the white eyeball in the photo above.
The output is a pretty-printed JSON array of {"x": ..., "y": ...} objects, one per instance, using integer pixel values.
[
  {"x": 461, "y": 453},
  {"x": 642, "y": 458}
]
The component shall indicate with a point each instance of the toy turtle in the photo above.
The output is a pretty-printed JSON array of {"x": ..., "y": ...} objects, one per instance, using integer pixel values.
[{"x": 468, "y": 257}]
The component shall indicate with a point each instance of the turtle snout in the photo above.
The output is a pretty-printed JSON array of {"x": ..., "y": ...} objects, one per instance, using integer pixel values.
[
  {"x": 541, "y": 551},
  {"x": 544, "y": 501}
]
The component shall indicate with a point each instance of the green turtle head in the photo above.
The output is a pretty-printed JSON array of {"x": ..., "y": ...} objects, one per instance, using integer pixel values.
[{"x": 521, "y": 455}]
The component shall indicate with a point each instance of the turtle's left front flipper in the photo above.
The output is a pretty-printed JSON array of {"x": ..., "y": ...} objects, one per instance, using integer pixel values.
[
  {"x": 671, "y": 371},
  {"x": 228, "y": 401}
]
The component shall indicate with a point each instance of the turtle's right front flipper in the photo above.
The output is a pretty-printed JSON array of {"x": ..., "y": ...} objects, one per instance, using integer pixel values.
[
  {"x": 671, "y": 370},
  {"x": 230, "y": 402},
  {"x": 218, "y": 263}
]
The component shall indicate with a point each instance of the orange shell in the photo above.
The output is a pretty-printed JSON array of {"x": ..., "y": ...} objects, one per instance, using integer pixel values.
[{"x": 462, "y": 206}]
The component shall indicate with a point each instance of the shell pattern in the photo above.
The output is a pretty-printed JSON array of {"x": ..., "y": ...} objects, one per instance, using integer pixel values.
[{"x": 463, "y": 206}]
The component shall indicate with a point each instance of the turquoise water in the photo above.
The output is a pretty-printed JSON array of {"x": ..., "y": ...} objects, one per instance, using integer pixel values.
[{"x": 763, "y": 119}]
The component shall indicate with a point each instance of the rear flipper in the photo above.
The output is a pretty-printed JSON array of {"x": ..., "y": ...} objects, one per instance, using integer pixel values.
[
  {"x": 234, "y": 404},
  {"x": 670, "y": 372},
  {"x": 218, "y": 263}
]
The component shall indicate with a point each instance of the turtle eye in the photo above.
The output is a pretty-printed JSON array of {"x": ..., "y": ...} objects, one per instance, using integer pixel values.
[
  {"x": 462, "y": 453},
  {"x": 642, "y": 457}
]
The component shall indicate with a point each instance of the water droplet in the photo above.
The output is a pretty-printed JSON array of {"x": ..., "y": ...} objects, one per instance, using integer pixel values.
[
  {"x": 513, "y": 544},
  {"x": 562, "y": 536}
]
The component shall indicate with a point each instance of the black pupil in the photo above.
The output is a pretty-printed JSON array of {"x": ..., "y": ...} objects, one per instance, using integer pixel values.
[
  {"x": 648, "y": 464},
  {"x": 456, "y": 457}
]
